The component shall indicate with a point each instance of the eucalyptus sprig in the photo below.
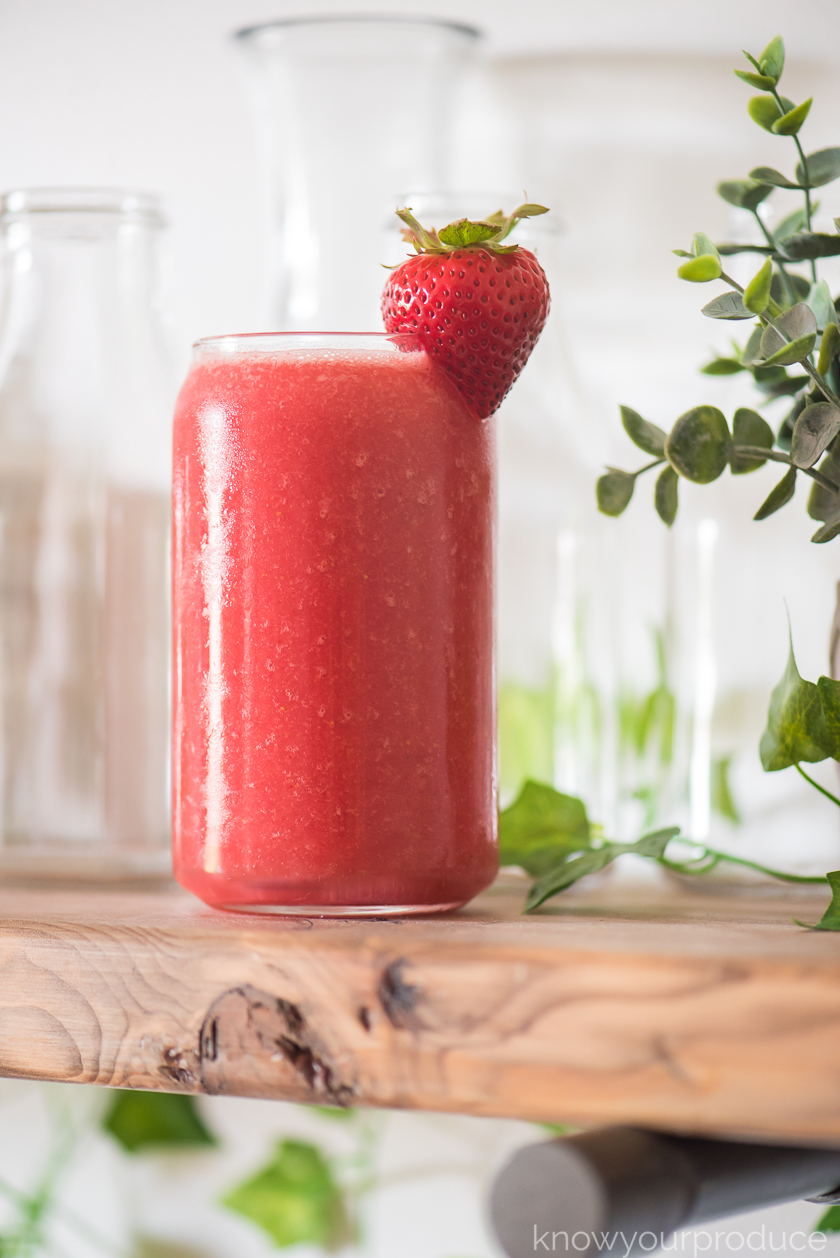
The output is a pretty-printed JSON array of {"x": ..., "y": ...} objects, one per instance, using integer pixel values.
[{"x": 796, "y": 319}]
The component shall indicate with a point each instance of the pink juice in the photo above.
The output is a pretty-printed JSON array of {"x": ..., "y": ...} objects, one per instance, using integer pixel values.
[{"x": 333, "y": 608}]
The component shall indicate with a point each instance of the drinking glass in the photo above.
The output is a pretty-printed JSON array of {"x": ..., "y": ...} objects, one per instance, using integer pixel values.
[{"x": 333, "y": 613}]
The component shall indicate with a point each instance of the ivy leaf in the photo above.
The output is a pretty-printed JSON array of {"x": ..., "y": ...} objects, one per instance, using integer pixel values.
[
  {"x": 757, "y": 293},
  {"x": 829, "y": 347},
  {"x": 698, "y": 444},
  {"x": 791, "y": 122},
  {"x": 540, "y": 827},
  {"x": 795, "y": 723},
  {"x": 830, "y": 920},
  {"x": 823, "y": 167},
  {"x": 772, "y": 60},
  {"x": 295, "y": 1199},
  {"x": 463, "y": 232},
  {"x": 765, "y": 111},
  {"x": 748, "y": 429},
  {"x": 747, "y": 194},
  {"x": 807, "y": 245},
  {"x": 727, "y": 306},
  {"x": 156, "y": 1120},
  {"x": 666, "y": 495},
  {"x": 643, "y": 434},
  {"x": 614, "y": 490},
  {"x": 813, "y": 432},
  {"x": 766, "y": 174},
  {"x": 576, "y": 867},
  {"x": 829, "y": 692},
  {"x": 778, "y": 497},
  {"x": 830, "y": 1221}
]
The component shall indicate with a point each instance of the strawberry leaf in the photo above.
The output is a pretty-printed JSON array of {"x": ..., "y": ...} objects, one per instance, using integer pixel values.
[{"x": 463, "y": 232}]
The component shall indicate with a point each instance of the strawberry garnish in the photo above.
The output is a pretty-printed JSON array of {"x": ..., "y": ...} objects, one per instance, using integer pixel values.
[{"x": 478, "y": 305}]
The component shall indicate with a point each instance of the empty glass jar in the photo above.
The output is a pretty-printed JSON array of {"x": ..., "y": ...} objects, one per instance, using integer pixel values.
[{"x": 85, "y": 404}]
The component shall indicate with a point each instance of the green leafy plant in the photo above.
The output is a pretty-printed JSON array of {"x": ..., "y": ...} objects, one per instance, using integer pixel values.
[
  {"x": 795, "y": 319},
  {"x": 295, "y": 1199},
  {"x": 550, "y": 836},
  {"x": 156, "y": 1120}
]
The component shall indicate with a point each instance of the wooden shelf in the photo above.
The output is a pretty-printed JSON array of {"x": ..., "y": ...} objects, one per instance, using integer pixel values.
[{"x": 688, "y": 1012}]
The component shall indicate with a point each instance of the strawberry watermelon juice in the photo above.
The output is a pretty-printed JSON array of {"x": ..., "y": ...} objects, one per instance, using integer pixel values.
[{"x": 333, "y": 628}]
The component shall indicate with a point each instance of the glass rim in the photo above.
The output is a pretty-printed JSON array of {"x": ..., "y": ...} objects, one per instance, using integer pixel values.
[
  {"x": 358, "y": 19},
  {"x": 126, "y": 203},
  {"x": 272, "y": 342}
]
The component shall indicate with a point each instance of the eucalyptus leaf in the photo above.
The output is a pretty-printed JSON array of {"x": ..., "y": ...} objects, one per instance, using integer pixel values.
[
  {"x": 614, "y": 490},
  {"x": 757, "y": 293},
  {"x": 819, "y": 300},
  {"x": 779, "y": 290},
  {"x": 723, "y": 367},
  {"x": 823, "y": 167},
  {"x": 729, "y": 249},
  {"x": 830, "y": 920},
  {"x": 791, "y": 122},
  {"x": 703, "y": 246},
  {"x": 766, "y": 174},
  {"x": 807, "y": 245},
  {"x": 747, "y": 194},
  {"x": 698, "y": 444},
  {"x": 829, "y": 348},
  {"x": 823, "y": 503},
  {"x": 643, "y": 434},
  {"x": 700, "y": 270},
  {"x": 772, "y": 60},
  {"x": 295, "y": 1199},
  {"x": 799, "y": 325},
  {"x": 542, "y": 826},
  {"x": 752, "y": 349},
  {"x": 748, "y": 429},
  {"x": 666, "y": 495},
  {"x": 814, "y": 430},
  {"x": 762, "y": 81},
  {"x": 765, "y": 111},
  {"x": 779, "y": 496},
  {"x": 795, "y": 723},
  {"x": 829, "y": 692},
  {"x": 829, "y": 530},
  {"x": 790, "y": 226},
  {"x": 727, "y": 306}
]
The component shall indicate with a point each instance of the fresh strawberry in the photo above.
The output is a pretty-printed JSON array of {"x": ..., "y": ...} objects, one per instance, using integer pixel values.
[{"x": 478, "y": 305}]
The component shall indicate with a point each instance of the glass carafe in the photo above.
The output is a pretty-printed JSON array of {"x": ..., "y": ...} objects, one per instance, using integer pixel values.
[
  {"x": 85, "y": 404},
  {"x": 350, "y": 111}
]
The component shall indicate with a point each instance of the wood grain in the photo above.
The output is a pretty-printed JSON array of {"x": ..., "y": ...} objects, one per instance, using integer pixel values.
[{"x": 689, "y": 1013}]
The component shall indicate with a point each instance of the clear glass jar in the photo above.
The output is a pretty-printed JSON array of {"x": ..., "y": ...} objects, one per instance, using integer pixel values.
[
  {"x": 350, "y": 110},
  {"x": 85, "y": 402},
  {"x": 334, "y": 504}
]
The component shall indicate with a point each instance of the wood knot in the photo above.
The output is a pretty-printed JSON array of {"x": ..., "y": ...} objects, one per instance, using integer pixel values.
[
  {"x": 399, "y": 999},
  {"x": 254, "y": 1044}
]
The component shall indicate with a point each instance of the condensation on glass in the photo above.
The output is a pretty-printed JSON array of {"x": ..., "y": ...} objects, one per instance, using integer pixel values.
[
  {"x": 85, "y": 403},
  {"x": 350, "y": 111}
]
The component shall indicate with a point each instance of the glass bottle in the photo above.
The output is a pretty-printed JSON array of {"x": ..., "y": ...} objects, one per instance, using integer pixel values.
[
  {"x": 350, "y": 111},
  {"x": 85, "y": 403}
]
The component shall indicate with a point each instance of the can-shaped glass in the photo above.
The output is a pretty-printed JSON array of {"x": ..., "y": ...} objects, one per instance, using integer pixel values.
[{"x": 334, "y": 741}]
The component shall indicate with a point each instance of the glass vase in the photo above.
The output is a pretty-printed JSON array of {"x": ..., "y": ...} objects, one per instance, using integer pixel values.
[
  {"x": 349, "y": 111},
  {"x": 85, "y": 402}
]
